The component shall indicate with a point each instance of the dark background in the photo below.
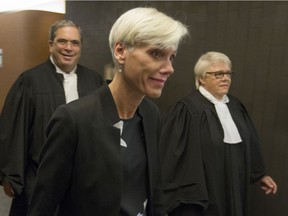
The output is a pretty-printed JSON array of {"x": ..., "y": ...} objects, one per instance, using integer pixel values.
[{"x": 253, "y": 34}]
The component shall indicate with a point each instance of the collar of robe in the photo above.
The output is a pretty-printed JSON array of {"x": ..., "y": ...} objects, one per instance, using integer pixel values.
[{"x": 231, "y": 133}]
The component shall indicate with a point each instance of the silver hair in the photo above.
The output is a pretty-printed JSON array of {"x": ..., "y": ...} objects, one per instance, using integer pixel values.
[
  {"x": 207, "y": 60},
  {"x": 147, "y": 26}
]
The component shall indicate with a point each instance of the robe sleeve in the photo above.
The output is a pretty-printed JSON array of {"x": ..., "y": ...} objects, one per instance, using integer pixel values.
[
  {"x": 55, "y": 164},
  {"x": 181, "y": 158},
  {"x": 14, "y": 135},
  {"x": 257, "y": 165}
]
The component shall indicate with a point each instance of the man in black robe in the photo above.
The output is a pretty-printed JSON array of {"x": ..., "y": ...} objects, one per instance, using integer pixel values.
[
  {"x": 210, "y": 149},
  {"x": 29, "y": 105}
]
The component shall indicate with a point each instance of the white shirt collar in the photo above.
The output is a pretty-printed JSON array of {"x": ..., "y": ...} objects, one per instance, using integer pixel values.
[{"x": 231, "y": 133}]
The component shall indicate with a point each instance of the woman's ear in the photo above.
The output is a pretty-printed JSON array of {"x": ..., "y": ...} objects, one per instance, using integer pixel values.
[
  {"x": 119, "y": 50},
  {"x": 202, "y": 81}
]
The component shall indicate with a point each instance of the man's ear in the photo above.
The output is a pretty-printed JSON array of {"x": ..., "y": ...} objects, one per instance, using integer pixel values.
[
  {"x": 119, "y": 50},
  {"x": 50, "y": 44}
]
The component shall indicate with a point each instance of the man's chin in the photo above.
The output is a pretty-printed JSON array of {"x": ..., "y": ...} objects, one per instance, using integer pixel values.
[{"x": 67, "y": 67}]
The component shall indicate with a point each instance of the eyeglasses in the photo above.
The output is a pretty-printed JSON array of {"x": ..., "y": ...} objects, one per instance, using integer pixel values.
[
  {"x": 220, "y": 74},
  {"x": 64, "y": 42}
]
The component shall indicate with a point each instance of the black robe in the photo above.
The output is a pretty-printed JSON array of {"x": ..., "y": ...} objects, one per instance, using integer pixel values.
[
  {"x": 30, "y": 103},
  {"x": 201, "y": 170},
  {"x": 86, "y": 177}
]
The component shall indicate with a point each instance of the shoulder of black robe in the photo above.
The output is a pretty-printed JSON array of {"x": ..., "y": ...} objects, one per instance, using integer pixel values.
[
  {"x": 87, "y": 79},
  {"x": 63, "y": 136},
  {"x": 181, "y": 158}
]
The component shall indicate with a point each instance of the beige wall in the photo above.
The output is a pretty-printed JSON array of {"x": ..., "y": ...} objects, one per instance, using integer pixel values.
[{"x": 24, "y": 40}]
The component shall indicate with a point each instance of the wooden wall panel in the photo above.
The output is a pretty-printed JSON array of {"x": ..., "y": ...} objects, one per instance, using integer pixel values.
[
  {"x": 24, "y": 40},
  {"x": 253, "y": 34}
]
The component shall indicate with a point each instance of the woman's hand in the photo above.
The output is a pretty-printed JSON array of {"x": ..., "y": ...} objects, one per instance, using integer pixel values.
[{"x": 268, "y": 185}]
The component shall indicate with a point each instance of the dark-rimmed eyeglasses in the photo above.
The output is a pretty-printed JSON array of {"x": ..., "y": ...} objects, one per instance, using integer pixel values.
[
  {"x": 220, "y": 74},
  {"x": 64, "y": 42}
]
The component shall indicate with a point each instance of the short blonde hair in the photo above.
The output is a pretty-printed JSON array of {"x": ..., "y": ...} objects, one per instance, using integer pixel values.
[{"x": 144, "y": 25}]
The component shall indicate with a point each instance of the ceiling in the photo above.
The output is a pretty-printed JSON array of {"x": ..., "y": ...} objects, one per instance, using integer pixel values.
[{"x": 57, "y": 6}]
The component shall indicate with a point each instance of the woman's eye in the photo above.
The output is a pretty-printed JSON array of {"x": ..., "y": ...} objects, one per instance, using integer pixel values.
[
  {"x": 172, "y": 58},
  {"x": 156, "y": 54},
  {"x": 160, "y": 54}
]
